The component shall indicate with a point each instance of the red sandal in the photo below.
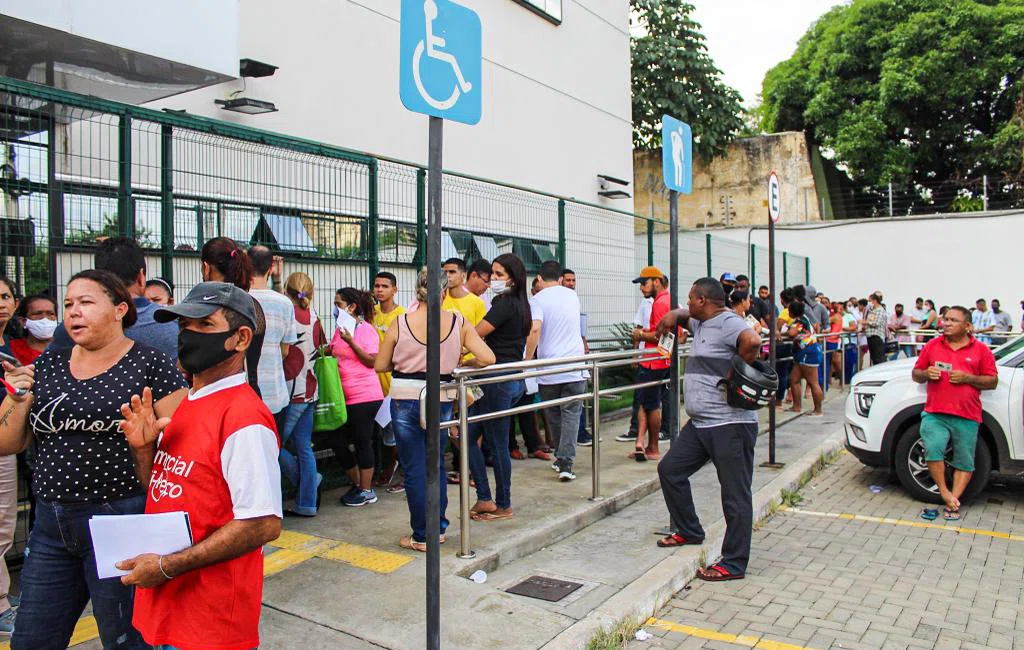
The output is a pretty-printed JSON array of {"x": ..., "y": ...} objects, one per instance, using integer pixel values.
[
  {"x": 717, "y": 573},
  {"x": 675, "y": 539}
]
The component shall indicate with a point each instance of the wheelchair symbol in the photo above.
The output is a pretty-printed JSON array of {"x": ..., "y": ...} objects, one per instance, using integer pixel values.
[{"x": 432, "y": 46}]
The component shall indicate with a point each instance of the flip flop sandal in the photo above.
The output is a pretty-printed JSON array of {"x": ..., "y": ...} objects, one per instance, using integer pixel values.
[
  {"x": 491, "y": 516},
  {"x": 652, "y": 456},
  {"x": 397, "y": 488},
  {"x": 412, "y": 545},
  {"x": 951, "y": 515},
  {"x": 930, "y": 514},
  {"x": 453, "y": 478},
  {"x": 675, "y": 539},
  {"x": 638, "y": 455},
  {"x": 717, "y": 573}
]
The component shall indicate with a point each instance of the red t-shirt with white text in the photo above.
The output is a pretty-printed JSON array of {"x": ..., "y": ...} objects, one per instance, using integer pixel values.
[
  {"x": 217, "y": 461},
  {"x": 946, "y": 398}
]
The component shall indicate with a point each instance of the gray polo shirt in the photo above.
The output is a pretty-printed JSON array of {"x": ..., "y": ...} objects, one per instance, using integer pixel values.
[{"x": 714, "y": 345}]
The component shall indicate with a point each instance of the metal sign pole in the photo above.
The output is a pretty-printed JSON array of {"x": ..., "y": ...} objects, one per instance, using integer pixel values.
[
  {"x": 774, "y": 211},
  {"x": 673, "y": 292},
  {"x": 434, "y": 384}
]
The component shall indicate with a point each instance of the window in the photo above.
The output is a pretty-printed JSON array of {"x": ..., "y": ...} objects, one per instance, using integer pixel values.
[{"x": 550, "y": 9}]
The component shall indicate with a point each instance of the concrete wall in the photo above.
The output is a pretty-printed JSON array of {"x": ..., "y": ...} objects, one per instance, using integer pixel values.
[
  {"x": 556, "y": 103},
  {"x": 738, "y": 179},
  {"x": 949, "y": 258}
]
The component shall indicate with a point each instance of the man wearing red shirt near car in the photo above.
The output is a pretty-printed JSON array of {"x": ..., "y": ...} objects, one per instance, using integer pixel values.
[
  {"x": 216, "y": 459},
  {"x": 956, "y": 367}
]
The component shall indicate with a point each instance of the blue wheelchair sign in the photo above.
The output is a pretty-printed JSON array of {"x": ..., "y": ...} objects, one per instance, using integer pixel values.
[
  {"x": 677, "y": 154},
  {"x": 440, "y": 67}
]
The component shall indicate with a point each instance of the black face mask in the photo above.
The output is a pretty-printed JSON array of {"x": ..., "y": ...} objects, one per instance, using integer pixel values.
[{"x": 199, "y": 351}]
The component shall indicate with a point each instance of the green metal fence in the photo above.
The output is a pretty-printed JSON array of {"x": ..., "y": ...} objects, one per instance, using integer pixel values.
[{"x": 79, "y": 168}]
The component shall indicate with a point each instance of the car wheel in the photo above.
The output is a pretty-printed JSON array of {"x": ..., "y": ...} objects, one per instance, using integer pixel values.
[{"x": 912, "y": 469}]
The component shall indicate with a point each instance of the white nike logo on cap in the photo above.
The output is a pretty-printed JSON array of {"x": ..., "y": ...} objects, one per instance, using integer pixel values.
[{"x": 209, "y": 297}]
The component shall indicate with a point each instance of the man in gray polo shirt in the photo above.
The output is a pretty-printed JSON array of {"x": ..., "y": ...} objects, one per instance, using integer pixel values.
[{"x": 716, "y": 431}]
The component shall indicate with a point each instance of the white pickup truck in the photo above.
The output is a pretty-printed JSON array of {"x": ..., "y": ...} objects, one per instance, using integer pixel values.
[{"x": 883, "y": 414}]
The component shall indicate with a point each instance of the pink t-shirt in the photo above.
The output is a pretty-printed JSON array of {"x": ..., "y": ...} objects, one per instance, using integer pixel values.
[{"x": 359, "y": 383}]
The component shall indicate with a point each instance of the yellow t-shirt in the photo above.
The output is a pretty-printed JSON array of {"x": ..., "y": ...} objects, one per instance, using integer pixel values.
[
  {"x": 382, "y": 322},
  {"x": 470, "y": 306},
  {"x": 785, "y": 318}
]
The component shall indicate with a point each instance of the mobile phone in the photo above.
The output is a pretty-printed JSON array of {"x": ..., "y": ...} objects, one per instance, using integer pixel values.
[
  {"x": 9, "y": 359},
  {"x": 666, "y": 343}
]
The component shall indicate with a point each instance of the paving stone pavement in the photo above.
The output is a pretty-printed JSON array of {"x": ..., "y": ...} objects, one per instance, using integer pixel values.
[{"x": 821, "y": 582}]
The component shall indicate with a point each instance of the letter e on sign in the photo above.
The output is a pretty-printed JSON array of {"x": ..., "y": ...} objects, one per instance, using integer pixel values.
[{"x": 774, "y": 198}]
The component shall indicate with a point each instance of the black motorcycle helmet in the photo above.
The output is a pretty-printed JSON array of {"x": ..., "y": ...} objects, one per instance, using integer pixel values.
[{"x": 750, "y": 386}]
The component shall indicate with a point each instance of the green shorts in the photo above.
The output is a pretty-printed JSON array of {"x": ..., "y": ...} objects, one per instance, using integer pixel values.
[{"x": 937, "y": 429}]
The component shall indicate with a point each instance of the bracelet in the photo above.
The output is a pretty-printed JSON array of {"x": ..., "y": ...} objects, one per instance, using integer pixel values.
[{"x": 160, "y": 563}]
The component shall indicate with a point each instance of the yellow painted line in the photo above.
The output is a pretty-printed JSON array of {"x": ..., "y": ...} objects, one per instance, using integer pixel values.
[
  {"x": 712, "y": 635},
  {"x": 363, "y": 557},
  {"x": 282, "y": 559},
  {"x": 300, "y": 547},
  {"x": 910, "y": 524}
]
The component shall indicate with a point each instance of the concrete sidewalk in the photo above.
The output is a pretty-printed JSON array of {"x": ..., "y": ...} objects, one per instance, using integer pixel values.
[
  {"x": 341, "y": 581},
  {"x": 608, "y": 546}
]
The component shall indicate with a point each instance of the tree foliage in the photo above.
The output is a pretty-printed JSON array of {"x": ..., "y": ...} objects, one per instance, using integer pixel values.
[
  {"x": 673, "y": 73},
  {"x": 914, "y": 91}
]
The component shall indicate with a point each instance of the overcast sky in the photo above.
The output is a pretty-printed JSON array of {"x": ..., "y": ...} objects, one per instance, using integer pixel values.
[{"x": 748, "y": 37}]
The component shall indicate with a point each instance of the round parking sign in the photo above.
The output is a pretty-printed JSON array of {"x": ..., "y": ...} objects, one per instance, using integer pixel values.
[{"x": 774, "y": 197}]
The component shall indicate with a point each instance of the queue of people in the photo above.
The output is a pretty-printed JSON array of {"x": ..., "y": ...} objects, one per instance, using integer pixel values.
[{"x": 128, "y": 401}]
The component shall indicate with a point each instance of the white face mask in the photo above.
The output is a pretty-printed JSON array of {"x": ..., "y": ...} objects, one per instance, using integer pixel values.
[
  {"x": 499, "y": 286},
  {"x": 41, "y": 329}
]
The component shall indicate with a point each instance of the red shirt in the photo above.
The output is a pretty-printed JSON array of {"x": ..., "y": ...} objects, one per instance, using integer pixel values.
[
  {"x": 217, "y": 461},
  {"x": 960, "y": 400},
  {"x": 662, "y": 305},
  {"x": 23, "y": 352}
]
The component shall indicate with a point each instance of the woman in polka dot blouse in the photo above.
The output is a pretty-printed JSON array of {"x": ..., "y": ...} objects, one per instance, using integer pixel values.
[{"x": 84, "y": 465}]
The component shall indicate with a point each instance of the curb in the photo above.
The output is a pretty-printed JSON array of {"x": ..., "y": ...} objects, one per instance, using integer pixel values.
[
  {"x": 539, "y": 537},
  {"x": 645, "y": 595}
]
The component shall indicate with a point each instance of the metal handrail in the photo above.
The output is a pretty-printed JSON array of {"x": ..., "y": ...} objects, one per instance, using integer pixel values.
[{"x": 594, "y": 362}]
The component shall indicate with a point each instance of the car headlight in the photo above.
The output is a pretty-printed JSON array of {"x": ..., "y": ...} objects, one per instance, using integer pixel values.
[{"x": 862, "y": 401}]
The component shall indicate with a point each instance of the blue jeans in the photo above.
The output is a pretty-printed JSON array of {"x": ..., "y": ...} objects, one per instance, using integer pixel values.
[
  {"x": 497, "y": 397},
  {"x": 412, "y": 454},
  {"x": 300, "y": 468},
  {"x": 59, "y": 578}
]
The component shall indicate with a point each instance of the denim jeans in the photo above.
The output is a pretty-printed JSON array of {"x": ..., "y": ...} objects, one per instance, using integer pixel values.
[
  {"x": 300, "y": 468},
  {"x": 412, "y": 454},
  {"x": 59, "y": 578},
  {"x": 564, "y": 419},
  {"x": 497, "y": 397}
]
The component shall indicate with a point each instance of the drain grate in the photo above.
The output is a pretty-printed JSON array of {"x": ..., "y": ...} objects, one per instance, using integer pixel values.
[{"x": 542, "y": 588}]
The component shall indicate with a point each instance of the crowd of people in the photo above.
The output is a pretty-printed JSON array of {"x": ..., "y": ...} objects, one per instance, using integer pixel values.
[{"x": 125, "y": 401}]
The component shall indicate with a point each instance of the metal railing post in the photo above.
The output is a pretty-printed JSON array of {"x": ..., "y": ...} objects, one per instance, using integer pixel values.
[
  {"x": 465, "y": 552},
  {"x": 596, "y": 426}
]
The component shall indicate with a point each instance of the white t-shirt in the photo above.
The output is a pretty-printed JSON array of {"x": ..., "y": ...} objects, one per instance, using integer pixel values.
[
  {"x": 280, "y": 315},
  {"x": 642, "y": 318},
  {"x": 558, "y": 310}
]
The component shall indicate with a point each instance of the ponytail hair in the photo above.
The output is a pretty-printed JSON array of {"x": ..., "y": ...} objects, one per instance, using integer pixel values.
[
  {"x": 230, "y": 260},
  {"x": 362, "y": 301},
  {"x": 299, "y": 288}
]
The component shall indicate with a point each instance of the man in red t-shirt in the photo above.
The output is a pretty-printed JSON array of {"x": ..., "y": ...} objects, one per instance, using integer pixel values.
[
  {"x": 215, "y": 459},
  {"x": 956, "y": 367},
  {"x": 653, "y": 284}
]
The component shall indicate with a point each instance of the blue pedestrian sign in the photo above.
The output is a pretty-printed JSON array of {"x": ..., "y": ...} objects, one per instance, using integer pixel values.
[
  {"x": 440, "y": 66},
  {"x": 677, "y": 154}
]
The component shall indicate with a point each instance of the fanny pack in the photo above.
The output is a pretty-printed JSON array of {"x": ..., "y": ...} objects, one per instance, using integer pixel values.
[{"x": 402, "y": 388}]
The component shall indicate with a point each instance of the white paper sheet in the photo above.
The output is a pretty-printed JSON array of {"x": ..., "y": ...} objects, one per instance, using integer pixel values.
[
  {"x": 345, "y": 321},
  {"x": 122, "y": 537},
  {"x": 383, "y": 417}
]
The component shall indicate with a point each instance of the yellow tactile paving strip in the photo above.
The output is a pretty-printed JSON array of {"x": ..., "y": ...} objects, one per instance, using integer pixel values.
[{"x": 735, "y": 639}]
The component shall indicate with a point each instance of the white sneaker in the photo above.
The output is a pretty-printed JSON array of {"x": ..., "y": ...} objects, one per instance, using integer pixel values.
[{"x": 565, "y": 474}]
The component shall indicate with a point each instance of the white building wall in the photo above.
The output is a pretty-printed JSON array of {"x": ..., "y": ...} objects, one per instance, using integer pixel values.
[
  {"x": 952, "y": 259},
  {"x": 556, "y": 104}
]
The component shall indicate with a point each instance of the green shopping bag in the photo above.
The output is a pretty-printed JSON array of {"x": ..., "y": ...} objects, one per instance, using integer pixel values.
[{"x": 330, "y": 412}]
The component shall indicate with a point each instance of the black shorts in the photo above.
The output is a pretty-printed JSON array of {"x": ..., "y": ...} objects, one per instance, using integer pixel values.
[{"x": 650, "y": 397}]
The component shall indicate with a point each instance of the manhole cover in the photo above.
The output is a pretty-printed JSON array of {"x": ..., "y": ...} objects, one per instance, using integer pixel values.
[{"x": 548, "y": 589}]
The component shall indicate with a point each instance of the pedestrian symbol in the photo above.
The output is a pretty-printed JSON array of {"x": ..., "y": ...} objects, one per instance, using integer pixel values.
[
  {"x": 440, "y": 65},
  {"x": 677, "y": 154}
]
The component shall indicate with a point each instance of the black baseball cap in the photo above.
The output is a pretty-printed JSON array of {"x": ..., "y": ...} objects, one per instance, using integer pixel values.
[{"x": 206, "y": 298}]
